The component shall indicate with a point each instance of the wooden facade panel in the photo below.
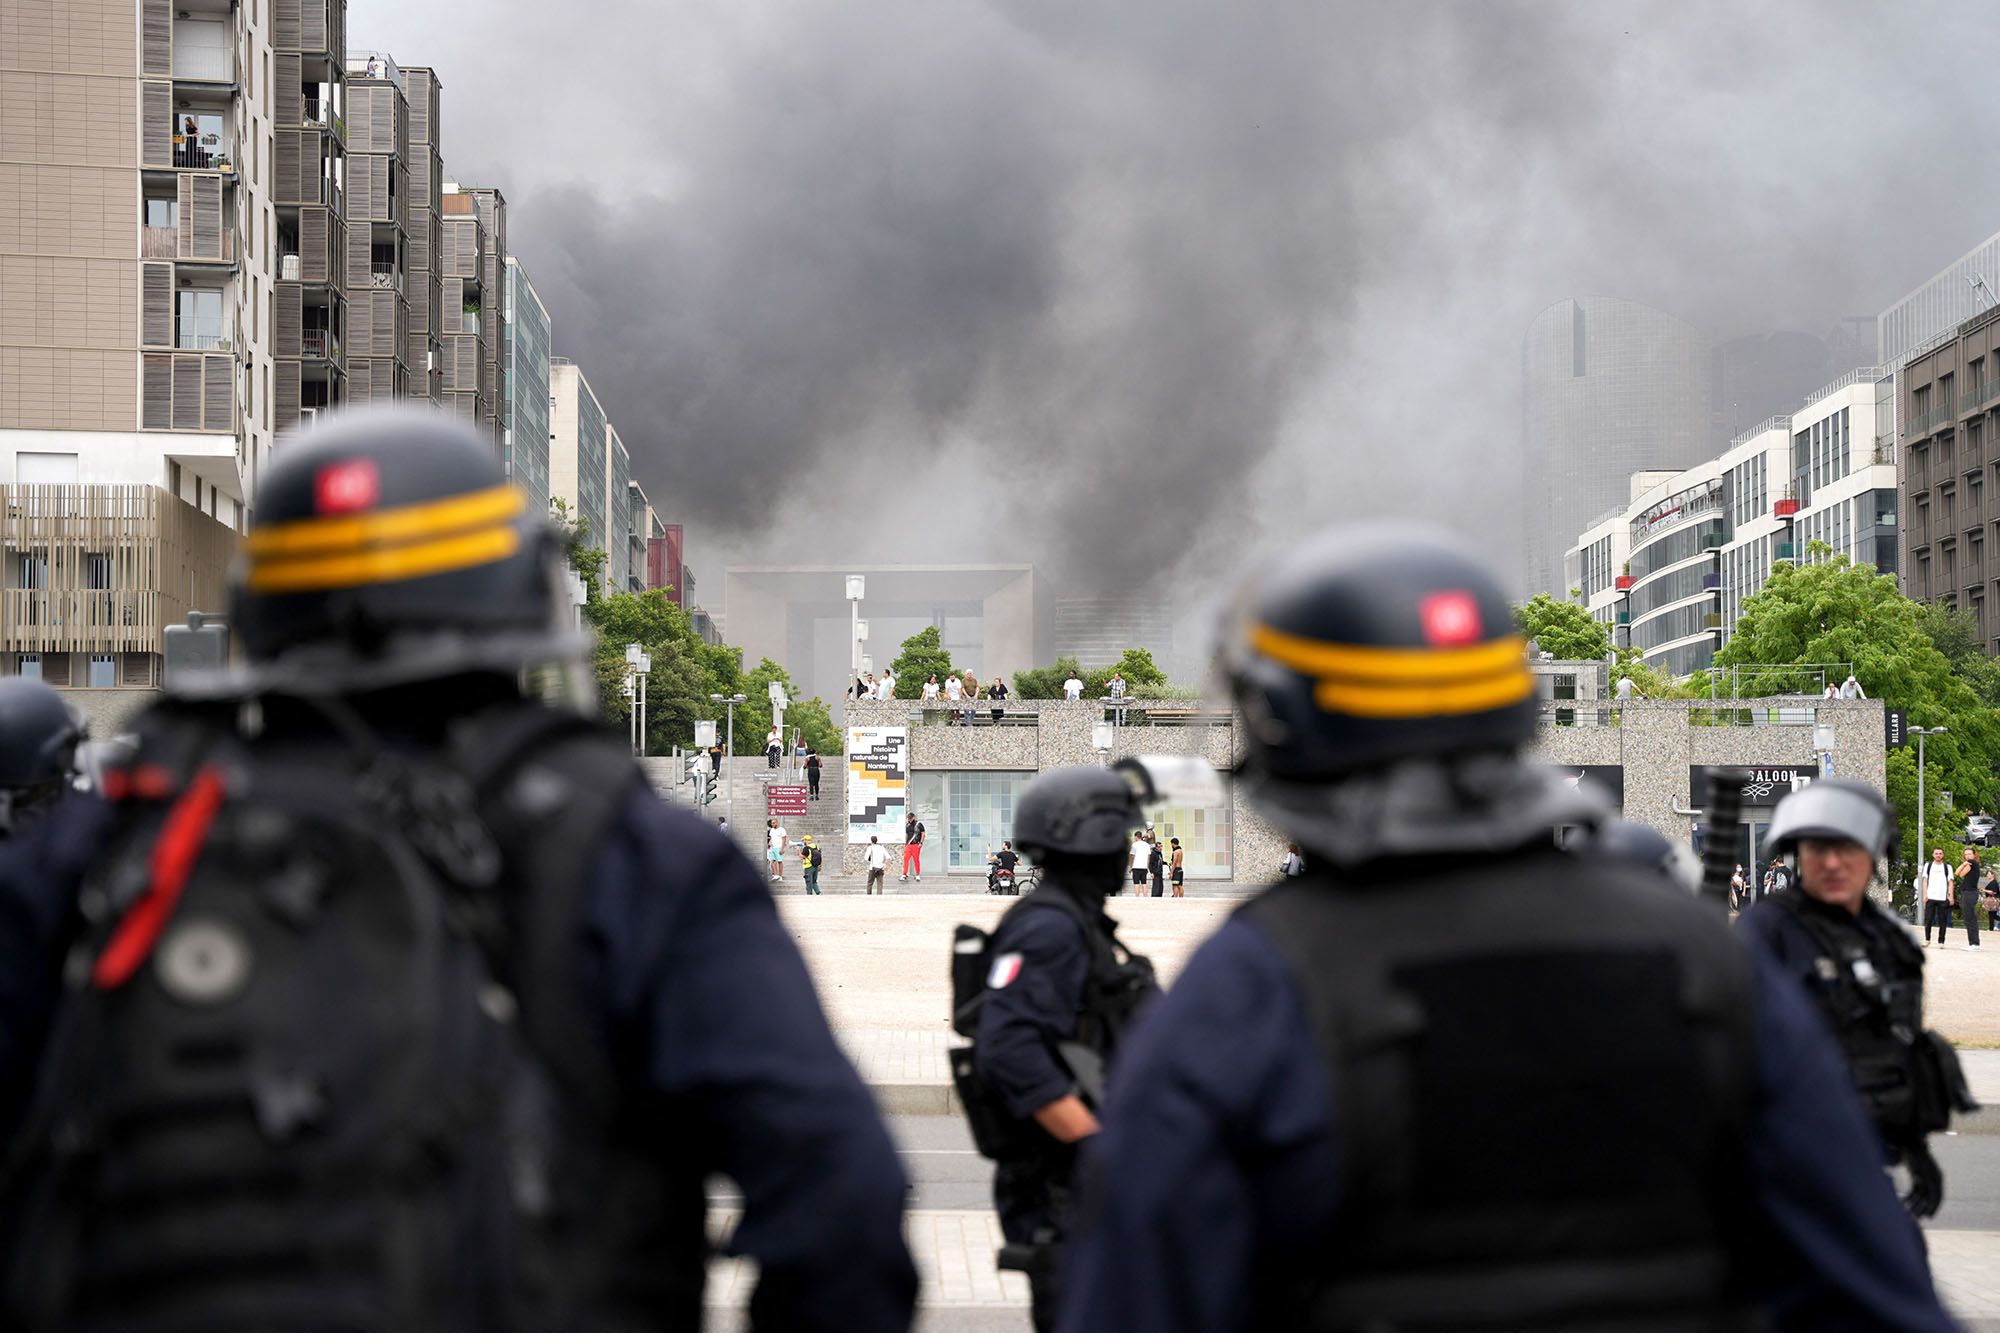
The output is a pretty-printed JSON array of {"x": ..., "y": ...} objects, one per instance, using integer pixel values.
[
  {"x": 156, "y": 38},
  {"x": 201, "y": 231},
  {"x": 156, "y": 305},
  {"x": 96, "y": 570},
  {"x": 316, "y": 262},
  {"x": 287, "y": 92},
  {"x": 156, "y": 407},
  {"x": 287, "y": 321},
  {"x": 284, "y": 395},
  {"x": 156, "y": 125},
  {"x": 187, "y": 393},
  {"x": 218, "y": 393}
]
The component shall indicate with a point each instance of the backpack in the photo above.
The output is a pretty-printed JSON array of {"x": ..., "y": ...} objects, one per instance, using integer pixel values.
[
  {"x": 1120, "y": 981},
  {"x": 314, "y": 1067}
]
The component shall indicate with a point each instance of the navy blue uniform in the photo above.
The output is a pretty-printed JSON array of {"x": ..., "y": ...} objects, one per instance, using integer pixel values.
[
  {"x": 1218, "y": 1171},
  {"x": 689, "y": 962}
]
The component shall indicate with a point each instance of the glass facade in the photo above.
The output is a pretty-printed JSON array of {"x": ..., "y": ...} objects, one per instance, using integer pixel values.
[
  {"x": 592, "y": 443},
  {"x": 527, "y": 339},
  {"x": 1941, "y": 304},
  {"x": 969, "y": 813},
  {"x": 618, "y": 513},
  {"x": 1611, "y": 388}
]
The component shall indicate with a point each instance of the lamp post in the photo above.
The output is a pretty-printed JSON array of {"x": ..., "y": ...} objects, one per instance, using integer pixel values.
[
  {"x": 638, "y": 666},
  {"x": 857, "y": 587},
  {"x": 1923, "y": 855},
  {"x": 729, "y": 801}
]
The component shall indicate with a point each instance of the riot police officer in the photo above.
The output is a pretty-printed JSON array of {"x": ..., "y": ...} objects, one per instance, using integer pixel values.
[
  {"x": 1060, "y": 992},
  {"x": 394, "y": 998},
  {"x": 1453, "y": 1075},
  {"x": 39, "y": 736},
  {"x": 1862, "y": 969}
]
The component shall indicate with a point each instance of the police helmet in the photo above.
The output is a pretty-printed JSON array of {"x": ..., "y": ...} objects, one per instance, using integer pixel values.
[
  {"x": 1835, "y": 809},
  {"x": 1076, "y": 812},
  {"x": 1373, "y": 645},
  {"x": 39, "y": 733},
  {"x": 388, "y": 546}
]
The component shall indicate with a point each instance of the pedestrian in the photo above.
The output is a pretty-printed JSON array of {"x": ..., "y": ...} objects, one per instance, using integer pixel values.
[
  {"x": 810, "y": 860},
  {"x": 913, "y": 846},
  {"x": 1989, "y": 900},
  {"x": 1073, "y": 688},
  {"x": 1294, "y": 863},
  {"x": 812, "y": 776},
  {"x": 1179, "y": 871},
  {"x": 799, "y": 746},
  {"x": 341, "y": 897},
  {"x": 1156, "y": 864},
  {"x": 715, "y": 761},
  {"x": 774, "y": 747},
  {"x": 1059, "y": 979},
  {"x": 1737, "y": 888},
  {"x": 1626, "y": 689},
  {"x": 39, "y": 737},
  {"x": 1141, "y": 854},
  {"x": 1934, "y": 892},
  {"x": 1859, "y": 967},
  {"x": 1851, "y": 688},
  {"x": 1968, "y": 895},
  {"x": 971, "y": 692},
  {"x": 931, "y": 689},
  {"x": 1116, "y": 688},
  {"x": 877, "y": 857},
  {"x": 954, "y": 690},
  {"x": 1778, "y": 879},
  {"x": 722, "y": 823},
  {"x": 1332, "y": 1107},
  {"x": 997, "y": 693},
  {"x": 885, "y": 688},
  {"x": 775, "y": 853}
]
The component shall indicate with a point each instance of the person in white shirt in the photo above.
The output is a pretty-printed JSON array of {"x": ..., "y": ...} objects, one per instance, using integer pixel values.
[
  {"x": 1116, "y": 688},
  {"x": 1625, "y": 688},
  {"x": 1142, "y": 855},
  {"x": 776, "y": 854},
  {"x": 1934, "y": 888},
  {"x": 931, "y": 690},
  {"x": 1851, "y": 688},
  {"x": 1073, "y": 688},
  {"x": 878, "y": 862},
  {"x": 885, "y": 688},
  {"x": 953, "y": 691}
]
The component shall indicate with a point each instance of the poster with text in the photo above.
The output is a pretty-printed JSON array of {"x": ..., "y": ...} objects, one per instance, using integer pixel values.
[{"x": 878, "y": 782}]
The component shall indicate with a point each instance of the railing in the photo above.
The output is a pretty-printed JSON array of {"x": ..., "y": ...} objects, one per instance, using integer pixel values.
[
  {"x": 205, "y": 64},
  {"x": 203, "y": 152},
  {"x": 1782, "y": 421},
  {"x": 165, "y": 243},
  {"x": 318, "y": 343},
  {"x": 1860, "y": 374},
  {"x": 201, "y": 342},
  {"x": 385, "y": 276},
  {"x": 1885, "y": 448}
]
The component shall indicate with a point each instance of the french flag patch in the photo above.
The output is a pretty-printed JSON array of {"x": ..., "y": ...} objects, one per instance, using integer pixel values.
[{"x": 1005, "y": 968}]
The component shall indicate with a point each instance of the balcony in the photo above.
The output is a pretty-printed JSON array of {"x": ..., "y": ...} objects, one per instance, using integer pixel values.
[
  {"x": 1711, "y": 582},
  {"x": 318, "y": 345},
  {"x": 1623, "y": 583},
  {"x": 385, "y": 277},
  {"x": 203, "y": 64},
  {"x": 1784, "y": 508},
  {"x": 210, "y": 151},
  {"x": 313, "y": 115},
  {"x": 1785, "y": 551},
  {"x": 177, "y": 244}
]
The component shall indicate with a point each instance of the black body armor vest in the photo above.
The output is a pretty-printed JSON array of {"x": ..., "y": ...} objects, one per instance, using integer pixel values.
[{"x": 1542, "y": 1070}]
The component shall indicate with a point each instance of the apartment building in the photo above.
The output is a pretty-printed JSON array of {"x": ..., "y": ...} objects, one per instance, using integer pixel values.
[
  {"x": 468, "y": 328},
  {"x": 139, "y": 359},
  {"x": 1670, "y": 572},
  {"x": 378, "y": 174},
  {"x": 579, "y": 450},
  {"x": 617, "y": 509},
  {"x": 527, "y": 336},
  {"x": 308, "y": 155},
  {"x": 1950, "y": 480},
  {"x": 424, "y": 233},
  {"x": 490, "y": 207},
  {"x": 643, "y": 528}
]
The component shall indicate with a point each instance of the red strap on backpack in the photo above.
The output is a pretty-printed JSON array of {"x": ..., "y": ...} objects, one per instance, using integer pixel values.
[{"x": 173, "y": 858}]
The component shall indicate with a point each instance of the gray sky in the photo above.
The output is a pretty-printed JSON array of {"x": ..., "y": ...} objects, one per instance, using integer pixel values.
[{"x": 1133, "y": 288}]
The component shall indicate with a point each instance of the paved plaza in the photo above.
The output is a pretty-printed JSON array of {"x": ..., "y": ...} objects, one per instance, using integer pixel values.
[{"x": 881, "y": 967}]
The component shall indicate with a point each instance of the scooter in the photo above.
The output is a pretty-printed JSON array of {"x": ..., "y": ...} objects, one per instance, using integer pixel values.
[{"x": 1002, "y": 882}]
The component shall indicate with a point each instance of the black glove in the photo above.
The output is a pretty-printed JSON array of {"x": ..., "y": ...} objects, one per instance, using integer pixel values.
[{"x": 1926, "y": 1194}]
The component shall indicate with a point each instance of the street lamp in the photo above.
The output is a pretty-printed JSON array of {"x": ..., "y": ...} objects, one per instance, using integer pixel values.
[
  {"x": 638, "y": 667},
  {"x": 1923, "y": 855},
  {"x": 729, "y": 802},
  {"x": 857, "y": 587}
]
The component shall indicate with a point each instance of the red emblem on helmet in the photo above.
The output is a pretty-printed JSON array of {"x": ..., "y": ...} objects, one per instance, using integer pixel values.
[
  {"x": 342, "y": 488},
  {"x": 1450, "y": 619}
]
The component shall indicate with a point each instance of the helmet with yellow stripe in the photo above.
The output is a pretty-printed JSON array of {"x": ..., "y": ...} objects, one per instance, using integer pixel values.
[
  {"x": 1371, "y": 646},
  {"x": 388, "y": 546}
]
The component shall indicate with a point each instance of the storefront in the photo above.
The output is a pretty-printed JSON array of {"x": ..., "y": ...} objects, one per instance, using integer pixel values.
[
  {"x": 1205, "y": 837},
  {"x": 967, "y": 813}
]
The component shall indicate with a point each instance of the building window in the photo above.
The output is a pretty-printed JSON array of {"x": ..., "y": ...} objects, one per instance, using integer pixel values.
[
  {"x": 967, "y": 814},
  {"x": 199, "y": 319},
  {"x": 103, "y": 671},
  {"x": 29, "y": 665},
  {"x": 1206, "y": 839}
]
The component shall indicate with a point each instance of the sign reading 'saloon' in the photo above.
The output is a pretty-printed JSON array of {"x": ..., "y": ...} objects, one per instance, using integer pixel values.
[{"x": 878, "y": 783}]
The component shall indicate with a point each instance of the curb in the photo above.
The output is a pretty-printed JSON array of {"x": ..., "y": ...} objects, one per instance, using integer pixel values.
[{"x": 916, "y": 1098}]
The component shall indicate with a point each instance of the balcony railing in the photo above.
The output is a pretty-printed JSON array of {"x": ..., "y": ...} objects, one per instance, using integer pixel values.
[
  {"x": 317, "y": 343},
  {"x": 204, "y": 152},
  {"x": 165, "y": 243},
  {"x": 204, "y": 64},
  {"x": 386, "y": 277}
]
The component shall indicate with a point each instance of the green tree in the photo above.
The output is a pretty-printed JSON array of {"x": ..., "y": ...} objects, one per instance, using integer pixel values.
[
  {"x": 1563, "y": 630},
  {"x": 1648, "y": 680},
  {"x": 686, "y": 669},
  {"x": 923, "y": 656},
  {"x": 1045, "y": 682},
  {"x": 585, "y": 559},
  {"x": 1955, "y": 633},
  {"x": 1831, "y": 610}
]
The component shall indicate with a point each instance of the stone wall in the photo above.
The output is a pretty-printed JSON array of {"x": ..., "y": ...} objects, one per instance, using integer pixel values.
[
  {"x": 1654, "y": 741},
  {"x": 110, "y": 711}
]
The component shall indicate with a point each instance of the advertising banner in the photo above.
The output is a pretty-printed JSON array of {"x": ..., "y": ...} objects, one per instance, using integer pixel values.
[
  {"x": 1607, "y": 780},
  {"x": 1762, "y": 787},
  {"x": 878, "y": 783}
]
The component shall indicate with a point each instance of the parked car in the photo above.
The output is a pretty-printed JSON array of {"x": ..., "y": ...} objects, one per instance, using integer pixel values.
[{"x": 1984, "y": 830}]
